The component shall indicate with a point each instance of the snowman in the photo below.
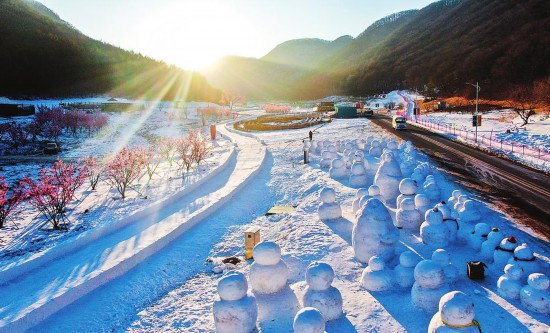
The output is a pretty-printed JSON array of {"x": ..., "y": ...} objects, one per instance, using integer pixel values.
[
  {"x": 338, "y": 169},
  {"x": 375, "y": 149},
  {"x": 326, "y": 159},
  {"x": 454, "y": 198},
  {"x": 376, "y": 277},
  {"x": 509, "y": 284},
  {"x": 407, "y": 217},
  {"x": 456, "y": 315},
  {"x": 269, "y": 273},
  {"x": 433, "y": 231},
  {"x": 408, "y": 188},
  {"x": 504, "y": 251},
  {"x": 309, "y": 320},
  {"x": 404, "y": 272},
  {"x": 535, "y": 296},
  {"x": 374, "y": 191},
  {"x": 374, "y": 233},
  {"x": 525, "y": 259},
  {"x": 358, "y": 177},
  {"x": 422, "y": 203},
  {"x": 489, "y": 246},
  {"x": 388, "y": 178},
  {"x": 320, "y": 294},
  {"x": 459, "y": 204},
  {"x": 432, "y": 191},
  {"x": 329, "y": 209},
  {"x": 407, "y": 166},
  {"x": 429, "y": 285},
  {"x": 469, "y": 211},
  {"x": 449, "y": 219},
  {"x": 235, "y": 311},
  {"x": 356, "y": 201},
  {"x": 313, "y": 147},
  {"x": 442, "y": 257},
  {"x": 479, "y": 235}
]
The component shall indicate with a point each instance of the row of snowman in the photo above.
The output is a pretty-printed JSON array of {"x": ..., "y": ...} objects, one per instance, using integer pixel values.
[{"x": 236, "y": 311}]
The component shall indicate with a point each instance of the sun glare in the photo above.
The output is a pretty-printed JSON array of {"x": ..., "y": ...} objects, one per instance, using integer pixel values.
[{"x": 194, "y": 34}]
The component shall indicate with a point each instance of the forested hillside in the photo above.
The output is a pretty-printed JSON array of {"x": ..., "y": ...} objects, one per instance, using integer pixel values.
[{"x": 44, "y": 56}]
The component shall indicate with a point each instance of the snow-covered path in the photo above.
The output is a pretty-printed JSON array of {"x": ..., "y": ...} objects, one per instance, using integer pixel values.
[{"x": 27, "y": 300}]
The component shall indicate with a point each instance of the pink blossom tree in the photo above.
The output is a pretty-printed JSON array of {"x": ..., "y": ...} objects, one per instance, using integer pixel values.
[
  {"x": 125, "y": 167},
  {"x": 55, "y": 189},
  {"x": 200, "y": 146},
  {"x": 10, "y": 199},
  {"x": 17, "y": 135},
  {"x": 95, "y": 168},
  {"x": 167, "y": 147},
  {"x": 184, "y": 147}
]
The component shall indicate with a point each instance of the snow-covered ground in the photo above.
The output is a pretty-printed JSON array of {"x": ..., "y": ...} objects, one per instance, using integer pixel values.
[
  {"x": 29, "y": 236},
  {"x": 174, "y": 290}
]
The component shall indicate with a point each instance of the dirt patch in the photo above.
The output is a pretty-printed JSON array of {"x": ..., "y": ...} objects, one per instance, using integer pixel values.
[{"x": 279, "y": 122}]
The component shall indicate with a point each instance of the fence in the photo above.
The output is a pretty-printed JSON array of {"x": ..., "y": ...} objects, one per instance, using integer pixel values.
[{"x": 482, "y": 139}]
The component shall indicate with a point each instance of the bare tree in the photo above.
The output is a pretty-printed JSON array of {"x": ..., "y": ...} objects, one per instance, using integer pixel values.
[{"x": 523, "y": 101}]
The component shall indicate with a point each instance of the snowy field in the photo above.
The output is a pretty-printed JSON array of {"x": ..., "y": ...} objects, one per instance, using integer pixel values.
[
  {"x": 187, "y": 285},
  {"x": 29, "y": 236}
]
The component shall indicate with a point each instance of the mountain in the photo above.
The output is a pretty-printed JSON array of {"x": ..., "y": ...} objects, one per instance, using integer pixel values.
[
  {"x": 44, "y": 56},
  {"x": 307, "y": 52},
  {"x": 502, "y": 44}
]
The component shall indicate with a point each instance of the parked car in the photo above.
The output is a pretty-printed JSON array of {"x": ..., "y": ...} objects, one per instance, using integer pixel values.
[{"x": 51, "y": 148}]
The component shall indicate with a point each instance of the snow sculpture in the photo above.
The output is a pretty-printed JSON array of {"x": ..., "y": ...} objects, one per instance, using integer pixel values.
[
  {"x": 359, "y": 156},
  {"x": 374, "y": 191},
  {"x": 442, "y": 257},
  {"x": 460, "y": 203},
  {"x": 350, "y": 146},
  {"x": 269, "y": 273},
  {"x": 407, "y": 217},
  {"x": 329, "y": 209},
  {"x": 338, "y": 169},
  {"x": 469, "y": 211},
  {"x": 407, "y": 166},
  {"x": 504, "y": 251},
  {"x": 388, "y": 177},
  {"x": 358, "y": 177},
  {"x": 433, "y": 192},
  {"x": 319, "y": 292},
  {"x": 489, "y": 246},
  {"x": 309, "y": 320},
  {"x": 326, "y": 159},
  {"x": 347, "y": 161},
  {"x": 374, "y": 233},
  {"x": 313, "y": 147},
  {"x": 449, "y": 220},
  {"x": 375, "y": 149},
  {"x": 535, "y": 296},
  {"x": 509, "y": 284},
  {"x": 525, "y": 259},
  {"x": 356, "y": 201},
  {"x": 404, "y": 272},
  {"x": 430, "y": 179},
  {"x": 479, "y": 235},
  {"x": 376, "y": 277},
  {"x": 429, "y": 285},
  {"x": 341, "y": 146},
  {"x": 235, "y": 311},
  {"x": 454, "y": 198},
  {"x": 408, "y": 188},
  {"x": 422, "y": 203},
  {"x": 456, "y": 315},
  {"x": 433, "y": 231}
]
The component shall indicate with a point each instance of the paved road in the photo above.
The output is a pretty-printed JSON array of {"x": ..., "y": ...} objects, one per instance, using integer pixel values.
[{"x": 524, "y": 192}]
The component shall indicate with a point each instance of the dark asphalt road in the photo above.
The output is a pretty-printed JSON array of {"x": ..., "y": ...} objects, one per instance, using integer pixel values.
[{"x": 522, "y": 192}]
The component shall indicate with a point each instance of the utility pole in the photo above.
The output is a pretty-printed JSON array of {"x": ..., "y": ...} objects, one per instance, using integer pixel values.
[{"x": 478, "y": 88}]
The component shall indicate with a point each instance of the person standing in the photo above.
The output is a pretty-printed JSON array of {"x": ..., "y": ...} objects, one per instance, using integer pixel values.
[{"x": 310, "y": 135}]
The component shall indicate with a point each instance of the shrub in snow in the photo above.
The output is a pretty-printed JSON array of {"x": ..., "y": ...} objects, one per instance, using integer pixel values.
[
  {"x": 125, "y": 167},
  {"x": 358, "y": 176},
  {"x": 469, "y": 212},
  {"x": 388, "y": 177},
  {"x": 509, "y": 284},
  {"x": 55, "y": 189},
  {"x": 320, "y": 294},
  {"x": 309, "y": 320},
  {"x": 200, "y": 146},
  {"x": 358, "y": 195},
  {"x": 376, "y": 277},
  {"x": 407, "y": 217},
  {"x": 374, "y": 233},
  {"x": 442, "y": 257},
  {"x": 328, "y": 209},
  {"x": 525, "y": 259},
  {"x": 404, "y": 272},
  {"x": 268, "y": 273},
  {"x": 456, "y": 314},
  {"x": 10, "y": 198},
  {"x": 535, "y": 296},
  {"x": 374, "y": 191},
  {"x": 338, "y": 169},
  {"x": 433, "y": 231},
  {"x": 489, "y": 246},
  {"x": 429, "y": 285},
  {"x": 479, "y": 235},
  {"x": 504, "y": 252},
  {"x": 408, "y": 188},
  {"x": 235, "y": 311}
]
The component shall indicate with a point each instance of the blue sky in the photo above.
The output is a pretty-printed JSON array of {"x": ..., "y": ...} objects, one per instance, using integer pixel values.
[{"x": 194, "y": 34}]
